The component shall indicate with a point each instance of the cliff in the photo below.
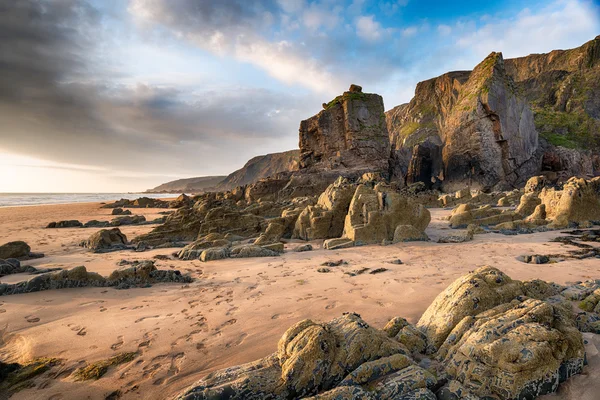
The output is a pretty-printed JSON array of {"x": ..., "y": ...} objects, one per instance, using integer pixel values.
[
  {"x": 495, "y": 126},
  {"x": 189, "y": 185}
]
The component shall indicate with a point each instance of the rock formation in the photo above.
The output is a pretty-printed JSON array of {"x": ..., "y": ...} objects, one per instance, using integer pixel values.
[
  {"x": 485, "y": 336},
  {"x": 350, "y": 133},
  {"x": 503, "y": 122},
  {"x": 139, "y": 274},
  {"x": 106, "y": 240}
]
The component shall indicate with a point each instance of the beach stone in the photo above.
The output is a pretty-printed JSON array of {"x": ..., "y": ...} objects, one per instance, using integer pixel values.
[
  {"x": 276, "y": 247},
  {"x": 16, "y": 249},
  {"x": 65, "y": 224},
  {"x": 96, "y": 224},
  {"x": 128, "y": 220},
  {"x": 120, "y": 211},
  {"x": 215, "y": 253},
  {"x": 408, "y": 233},
  {"x": 194, "y": 250},
  {"x": 106, "y": 240},
  {"x": 338, "y": 243},
  {"x": 304, "y": 247},
  {"x": 251, "y": 250}
]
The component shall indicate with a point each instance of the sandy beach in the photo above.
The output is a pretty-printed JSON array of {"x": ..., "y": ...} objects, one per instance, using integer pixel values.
[{"x": 236, "y": 309}]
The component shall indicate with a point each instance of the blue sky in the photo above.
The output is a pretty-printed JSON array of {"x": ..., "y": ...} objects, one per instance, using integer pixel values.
[{"x": 109, "y": 95}]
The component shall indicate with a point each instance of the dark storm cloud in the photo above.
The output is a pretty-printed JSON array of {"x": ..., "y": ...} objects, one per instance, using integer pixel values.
[{"x": 56, "y": 101}]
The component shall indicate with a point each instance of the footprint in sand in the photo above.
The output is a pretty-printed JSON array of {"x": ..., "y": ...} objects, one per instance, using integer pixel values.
[
  {"x": 32, "y": 319},
  {"x": 2, "y": 310},
  {"x": 236, "y": 342},
  {"x": 330, "y": 306},
  {"x": 145, "y": 318},
  {"x": 230, "y": 322},
  {"x": 118, "y": 344},
  {"x": 174, "y": 368}
]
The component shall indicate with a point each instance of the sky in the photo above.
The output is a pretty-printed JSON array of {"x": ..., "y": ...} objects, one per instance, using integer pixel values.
[{"x": 123, "y": 95}]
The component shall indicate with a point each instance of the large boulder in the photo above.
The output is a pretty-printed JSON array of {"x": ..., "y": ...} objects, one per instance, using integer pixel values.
[
  {"x": 517, "y": 350},
  {"x": 375, "y": 213},
  {"x": 469, "y": 295},
  {"x": 578, "y": 202},
  {"x": 326, "y": 218},
  {"x": 16, "y": 249},
  {"x": 106, "y": 240}
]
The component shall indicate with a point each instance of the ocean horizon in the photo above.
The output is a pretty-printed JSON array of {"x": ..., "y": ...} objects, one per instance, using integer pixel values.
[{"x": 35, "y": 199}]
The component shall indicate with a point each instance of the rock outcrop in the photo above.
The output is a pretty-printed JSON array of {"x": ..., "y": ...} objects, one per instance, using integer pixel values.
[
  {"x": 139, "y": 274},
  {"x": 503, "y": 122},
  {"x": 350, "y": 133},
  {"x": 106, "y": 240}
]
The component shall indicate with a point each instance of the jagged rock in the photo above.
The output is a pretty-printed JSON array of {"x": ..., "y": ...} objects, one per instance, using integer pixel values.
[
  {"x": 375, "y": 213},
  {"x": 128, "y": 220},
  {"x": 16, "y": 249},
  {"x": 13, "y": 266},
  {"x": 142, "y": 202},
  {"x": 272, "y": 234},
  {"x": 193, "y": 250},
  {"x": 326, "y": 219},
  {"x": 522, "y": 349},
  {"x": 350, "y": 133},
  {"x": 408, "y": 233},
  {"x": 65, "y": 224},
  {"x": 182, "y": 200},
  {"x": 304, "y": 247},
  {"x": 338, "y": 243},
  {"x": 469, "y": 295},
  {"x": 578, "y": 202},
  {"x": 215, "y": 253},
  {"x": 535, "y": 184},
  {"x": 106, "y": 240},
  {"x": 276, "y": 247},
  {"x": 252, "y": 250},
  {"x": 140, "y": 274},
  {"x": 120, "y": 211}
]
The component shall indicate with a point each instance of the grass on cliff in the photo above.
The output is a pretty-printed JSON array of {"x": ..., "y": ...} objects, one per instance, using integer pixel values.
[
  {"x": 345, "y": 96},
  {"x": 573, "y": 129},
  {"x": 98, "y": 369}
]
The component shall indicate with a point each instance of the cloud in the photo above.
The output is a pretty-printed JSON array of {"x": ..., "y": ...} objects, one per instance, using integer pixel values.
[
  {"x": 561, "y": 24},
  {"x": 444, "y": 30},
  {"x": 367, "y": 28}
]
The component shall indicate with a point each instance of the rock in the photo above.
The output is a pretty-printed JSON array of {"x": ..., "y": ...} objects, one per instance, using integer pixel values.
[
  {"x": 215, "y": 253},
  {"x": 326, "y": 219},
  {"x": 65, "y": 224},
  {"x": 374, "y": 215},
  {"x": 462, "y": 237},
  {"x": 252, "y": 250},
  {"x": 96, "y": 224},
  {"x": 128, "y": 220},
  {"x": 140, "y": 274},
  {"x": 193, "y": 250},
  {"x": 304, "y": 247},
  {"x": 469, "y": 295},
  {"x": 142, "y": 202},
  {"x": 350, "y": 133},
  {"x": 515, "y": 350},
  {"x": 120, "y": 211},
  {"x": 577, "y": 202},
  {"x": 106, "y": 240},
  {"x": 182, "y": 200},
  {"x": 535, "y": 184},
  {"x": 16, "y": 249},
  {"x": 408, "y": 233},
  {"x": 276, "y": 247},
  {"x": 336, "y": 244},
  {"x": 272, "y": 234}
]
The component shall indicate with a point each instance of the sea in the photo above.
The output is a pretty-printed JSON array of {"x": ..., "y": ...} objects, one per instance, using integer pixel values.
[{"x": 33, "y": 199}]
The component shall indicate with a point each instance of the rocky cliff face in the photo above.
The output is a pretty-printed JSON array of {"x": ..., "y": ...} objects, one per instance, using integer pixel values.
[
  {"x": 189, "y": 185},
  {"x": 349, "y": 134},
  {"x": 495, "y": 126}
]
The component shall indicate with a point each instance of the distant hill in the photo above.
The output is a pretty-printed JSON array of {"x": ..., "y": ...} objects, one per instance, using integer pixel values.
[
  {"x": 261, "y": 167},
  {"x": 257, "y": 168},
  {"x": 189, "y": 185}
]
